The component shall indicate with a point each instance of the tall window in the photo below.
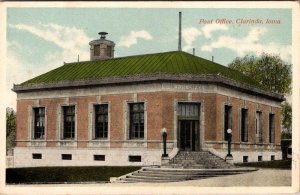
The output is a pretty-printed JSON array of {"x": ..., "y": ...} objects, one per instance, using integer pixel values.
[
  {"x": 39, "y": 123},
  {"x": 136, "y": 125},
  {"x": 101, "y": 121},
  {"x": 97, "y": 50},
  {"x": 244, "y": 125},
  {"x": 227, "y": 120},
  {"x": 69, "y": 122},
  {"x": 271, "y": 128},
  {"x": 258, "y": 127}
]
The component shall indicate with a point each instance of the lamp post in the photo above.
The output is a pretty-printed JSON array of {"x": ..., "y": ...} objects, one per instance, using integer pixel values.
[
  {"x": 229, "y": 155},
  {"x": 164, "y": 135}
]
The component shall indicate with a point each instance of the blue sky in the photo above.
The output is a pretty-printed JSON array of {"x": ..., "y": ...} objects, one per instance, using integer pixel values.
[{"x": 40, "y": 39}]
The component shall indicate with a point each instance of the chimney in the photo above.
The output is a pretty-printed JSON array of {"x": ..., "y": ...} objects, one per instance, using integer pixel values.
[
  {"x": 179, "y": 33},
  {"x": 102, "y": 35},
  {"x": 193, "y": 51},
  {"x": 102, "y": 48},
  {"x": 212, "y": 58}
]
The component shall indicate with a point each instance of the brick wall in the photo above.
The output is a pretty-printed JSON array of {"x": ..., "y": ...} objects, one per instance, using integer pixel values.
[
  {"x": 160, "y": 114},
  {"x": 252, "y": 107}
]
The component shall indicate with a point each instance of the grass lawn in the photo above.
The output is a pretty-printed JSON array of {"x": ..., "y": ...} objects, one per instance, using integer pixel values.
[
  {"x": 275, "y": 164},
  {"x": 64, "y": 174}
]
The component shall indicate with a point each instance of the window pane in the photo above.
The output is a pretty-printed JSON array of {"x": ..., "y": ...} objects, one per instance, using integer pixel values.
[
  {"x": 101, "y": 121},
  {"x": 244, "y": 130},
  {"x": 136, "y": 120},
  {"x": 69, "y": 122},
  {"x": 258, "y": 126},
  {"x": 271, "y": 128},
  {"x": 39, "y": 124},
  {"x": 188, "y": 110},
  {"x": 227, "y": 120}
]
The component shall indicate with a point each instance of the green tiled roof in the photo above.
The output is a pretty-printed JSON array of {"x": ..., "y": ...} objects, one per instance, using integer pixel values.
[{"x": 174, "y": 62}]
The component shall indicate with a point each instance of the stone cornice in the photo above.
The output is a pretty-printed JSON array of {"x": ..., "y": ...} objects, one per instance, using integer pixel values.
[{"x": 156, "y": 77}]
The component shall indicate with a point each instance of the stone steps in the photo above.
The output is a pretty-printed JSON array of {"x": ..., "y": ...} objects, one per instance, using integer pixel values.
[
  {"x": 199, "y": 159},
  {"x": 175, "y": 175},
  {"x": 186, "y": 166}
]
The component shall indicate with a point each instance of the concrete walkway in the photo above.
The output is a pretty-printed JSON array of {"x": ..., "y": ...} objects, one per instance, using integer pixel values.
[{"x": 262, "y": 177}]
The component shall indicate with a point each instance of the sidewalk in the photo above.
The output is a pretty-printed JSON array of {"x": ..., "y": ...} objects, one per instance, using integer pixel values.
[{"x": 262, "y": 177}]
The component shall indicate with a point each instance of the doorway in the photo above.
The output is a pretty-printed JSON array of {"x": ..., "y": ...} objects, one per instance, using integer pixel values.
[
  {"x": 188, "y": 117},
  {"x": 188, "y": 134}
]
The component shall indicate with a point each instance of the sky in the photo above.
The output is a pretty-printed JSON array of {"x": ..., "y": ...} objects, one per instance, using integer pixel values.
[{"x": 41, "y": 39}]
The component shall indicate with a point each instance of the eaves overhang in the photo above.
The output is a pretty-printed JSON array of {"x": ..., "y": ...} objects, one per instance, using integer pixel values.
[{"x": 151, "y": 78}]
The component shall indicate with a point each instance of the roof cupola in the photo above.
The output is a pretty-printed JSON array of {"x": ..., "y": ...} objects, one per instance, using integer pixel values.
[{"x": 102, "y": 48}]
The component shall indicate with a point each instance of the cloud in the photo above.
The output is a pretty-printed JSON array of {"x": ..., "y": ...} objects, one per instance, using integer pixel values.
[
  {"x": 249, "y": 44},
  {"x": 72, "y": 40},
  {"x": 189, "y": 35},
  {"x": 208, "y": 29},
  {"x": 132, "y": 38}
]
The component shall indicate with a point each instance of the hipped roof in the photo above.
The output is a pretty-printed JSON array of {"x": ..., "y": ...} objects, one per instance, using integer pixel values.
[{"x": 174, "y": 65}]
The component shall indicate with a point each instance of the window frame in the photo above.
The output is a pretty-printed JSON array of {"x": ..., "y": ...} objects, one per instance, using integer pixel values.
[
  {"x": 95, "y": 115},
  {"x": 139, "y": 112},
  {"x": 229, "y": 117},
  {"x": 37, "y": 156},
  {"x": 244, "y": 120},
  {"x": 99, "y": 157},
  {"x": 66, "y": 157},
  {"x": 34, "y": 121},
  {"x": 272, "y": 128},
  {"x": 63, "y": 137},
  {"x": 135, "y": 158},
  {"x": 259, "y": 131}
]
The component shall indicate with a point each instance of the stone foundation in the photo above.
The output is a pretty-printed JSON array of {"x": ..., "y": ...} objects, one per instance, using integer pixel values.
[
  {"x": 23, "y": 157},
  {"x": 238, "y": 156}
]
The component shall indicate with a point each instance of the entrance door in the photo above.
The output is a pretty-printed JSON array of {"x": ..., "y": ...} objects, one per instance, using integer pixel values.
[
  {"x": 188, "y": 134},
  {"x": 188, "y": 116}
]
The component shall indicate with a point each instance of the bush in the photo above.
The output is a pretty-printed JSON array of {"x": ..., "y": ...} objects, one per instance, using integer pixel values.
[{"x": 65, "y": 174}]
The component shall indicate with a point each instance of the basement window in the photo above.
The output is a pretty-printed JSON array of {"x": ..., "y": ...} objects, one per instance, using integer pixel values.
[
  {"x": 135, "y": 159},
  {"x": 99, "y": 157},
  {"x": 272, "y": 157},
  {"x": 66, "y": 156},
  {"x": 259, "y": 158},
  {"x": 36, "y": 156},
  {"x": 245, "y": 159}
]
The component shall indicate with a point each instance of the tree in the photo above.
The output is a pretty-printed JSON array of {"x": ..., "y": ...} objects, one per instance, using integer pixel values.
[
  {"x": 274, "y": 75},
  {"x": 286, "y": 111},
  {"x": 269, "y": 70},
  {"x": 10, "y": 127}
]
